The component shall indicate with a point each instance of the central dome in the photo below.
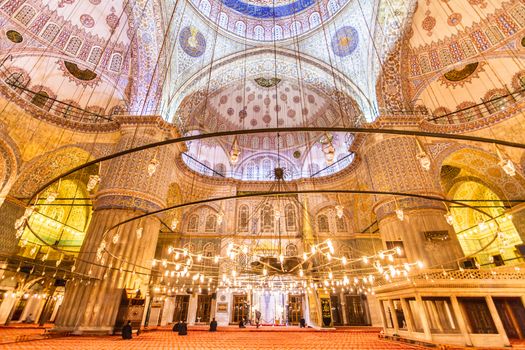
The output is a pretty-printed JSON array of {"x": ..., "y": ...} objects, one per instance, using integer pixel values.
[{"x": 269, "y": 20}]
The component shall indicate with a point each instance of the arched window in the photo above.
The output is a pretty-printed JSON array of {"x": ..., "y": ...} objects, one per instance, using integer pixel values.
[
  {"x": 333, "y": 6},
  {"x": 240, "y": 28},
  {"x": 296, "y": 28},
  {"x": 116, "y": 62},
  {"x": 266, "y": 143},
  {"x": 73, "y": 45},
  {"x": 291, "y": 250},
  {"x": 258, "y": 32},
  {"x": 340, "y": 224},
  {"x": 211, "y": 223},
  {"x": 244, "y": 215},
  {"x": 190, "y": 247},
  {"x": 267, "y": 218},
  {"x": 193, "y": 223},
  {"x": 95, "y": 55},
  {"x": 223, "y": 20},
  {"x": 250, "y": 171},
  {"x": 25, "y": 15},
  {"x": 266, "y": 168},
  {"x": 209, "y": 250},
  {"x": 277, "y": 32},
  {"x": 51, "y": 31},
  {"x": 314, "y": 19},
  {"x": 322, "y": 223},
  {"x": 255, "y": 142},
  {"x": 40, "y": 99},
  {"x": 291, "y": 221},
  {"x": 205, "y": 7},
  {"x": 289, "y": 140}
]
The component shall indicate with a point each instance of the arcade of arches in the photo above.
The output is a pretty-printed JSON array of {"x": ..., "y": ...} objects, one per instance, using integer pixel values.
[{"x": 337, "y": 163}]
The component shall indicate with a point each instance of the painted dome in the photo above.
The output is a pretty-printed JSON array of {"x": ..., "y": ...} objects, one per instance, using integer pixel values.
[{"x": 269, "y": 20}]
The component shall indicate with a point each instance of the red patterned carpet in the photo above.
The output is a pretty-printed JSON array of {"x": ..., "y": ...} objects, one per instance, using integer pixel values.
[{"x": 163, "y": 340}]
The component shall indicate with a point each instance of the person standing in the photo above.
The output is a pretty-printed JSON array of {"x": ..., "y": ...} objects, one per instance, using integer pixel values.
[
  {"x": 176, "y": 326},
  {"x": 127, "y": 331},
  {"x": 213, "y": 325}
]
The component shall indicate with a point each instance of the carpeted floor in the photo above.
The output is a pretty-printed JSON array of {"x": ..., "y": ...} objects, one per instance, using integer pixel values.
[{"x": 198, "y": 340}]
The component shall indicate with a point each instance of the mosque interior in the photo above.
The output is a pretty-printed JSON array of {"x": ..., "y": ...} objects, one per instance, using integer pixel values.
[{"x": 348, "y": 163}]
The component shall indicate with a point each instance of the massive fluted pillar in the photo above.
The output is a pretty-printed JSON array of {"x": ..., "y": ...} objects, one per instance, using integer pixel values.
[
  {"x": 426, "y": 236},
  {"x": 125, "y": 191}
]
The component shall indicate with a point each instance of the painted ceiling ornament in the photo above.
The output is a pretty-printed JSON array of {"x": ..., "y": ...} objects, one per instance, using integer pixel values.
[
  {"x": 14, "y": 36},
  {"x": 480, "y": 3},
  {"x": 63, "y": 3},
  {"x": 267, "y": 82},
  {"x": 84, "y": 77},
  {"x": 192, "y": 41},
  {"x": 95, "y": 2},
  {"x": 462, "y": 75},
  {"x": 112, "y": 20},
  {"x": 345, "y": 41},
  {"x": 429, "y": 22},
  {"x": 454, "y": 19},
  {"x": 87, "y": 21},
  {"x": 264, "y": 9}
]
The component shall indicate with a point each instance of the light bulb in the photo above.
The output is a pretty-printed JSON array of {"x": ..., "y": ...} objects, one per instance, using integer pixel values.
[
  {"x": 51, "y": 197},
  {"x": 482, "y": 225},
  {"x": 343, "y": 260},
  {"x": 216, "y": 259},
  {"x": 305, "y": 256},
  {"x": 174, "y": 224},
  {"x": 139, "y": 232},
  {"x": 339, "y": 211},
  {"x": 199, "y": 257},
  {"x": 281, "y": 258},
  {"x": 424, "y": 160},
  {"x": 152, "y": 166},
  {"x": 116, "y": 238},
  {"x": 265, "y": 271},
  {"x": 92, "y": 182},
  {"x": 365, "y": 260},
  {"x": 301, "y": 273},
  {"x": 312, "y": 250},
  {"x": 449, "y": 218},
  {"x": 400, "y": 214}
]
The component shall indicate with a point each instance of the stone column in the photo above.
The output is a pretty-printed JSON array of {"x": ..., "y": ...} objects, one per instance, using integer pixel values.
[
  {"x": 393, "y": 167},
  {"x": 126, "y": 191}
]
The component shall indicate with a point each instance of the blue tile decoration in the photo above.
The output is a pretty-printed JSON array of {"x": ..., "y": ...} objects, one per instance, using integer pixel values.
[
  {"x": 345, "y": 41},
  {"x": 192, "y": 41},
  {"x": 268, "y": 11}
]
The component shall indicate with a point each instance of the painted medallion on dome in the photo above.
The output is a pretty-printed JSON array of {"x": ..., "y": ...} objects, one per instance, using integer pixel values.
[
  {"x": 268, "y": 8},
  {"x": 345, "y": 41},
  {"x": 192, "y": 41}
]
